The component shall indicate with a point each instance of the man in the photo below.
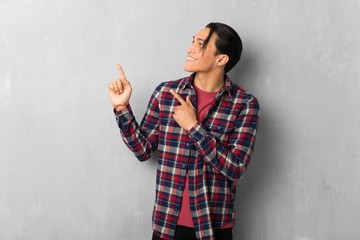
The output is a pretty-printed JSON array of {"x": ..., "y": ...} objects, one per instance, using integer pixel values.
[{"x": 203, "y": 127}]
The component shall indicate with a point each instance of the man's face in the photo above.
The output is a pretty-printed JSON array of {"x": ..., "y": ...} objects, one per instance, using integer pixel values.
[{"x": 201, "y": 59}]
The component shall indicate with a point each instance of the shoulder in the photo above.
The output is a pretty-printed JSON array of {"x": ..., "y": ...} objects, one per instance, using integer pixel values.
[{"x": 241, "y": 96}]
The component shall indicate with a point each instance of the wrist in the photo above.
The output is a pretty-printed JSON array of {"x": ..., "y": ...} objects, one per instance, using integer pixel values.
[
  {"x": 120, "y": 107},
  {"x": 190, "y": 126}
]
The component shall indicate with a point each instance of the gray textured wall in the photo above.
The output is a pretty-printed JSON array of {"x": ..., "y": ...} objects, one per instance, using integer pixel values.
[{"x": 65, "y": 172}]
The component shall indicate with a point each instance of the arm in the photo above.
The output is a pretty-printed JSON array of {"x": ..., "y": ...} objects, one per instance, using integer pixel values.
[
  {"x": 142, "y": 140},
  {"x": 231, "y": 160}
]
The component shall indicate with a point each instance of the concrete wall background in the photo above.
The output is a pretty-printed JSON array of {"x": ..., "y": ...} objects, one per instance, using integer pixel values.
[{"x": 65, "y": 172}]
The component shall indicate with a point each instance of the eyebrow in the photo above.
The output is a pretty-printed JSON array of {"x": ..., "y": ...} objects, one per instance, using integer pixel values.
[{"x": 198, "y": 38}]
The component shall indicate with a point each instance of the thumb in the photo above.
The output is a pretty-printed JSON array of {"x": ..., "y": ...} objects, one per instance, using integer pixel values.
[{"x": 189, "y": 101}]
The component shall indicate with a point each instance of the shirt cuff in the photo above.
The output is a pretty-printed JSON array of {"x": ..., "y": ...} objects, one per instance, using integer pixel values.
[
  {"x": 201, "y": 138},
  {"x": 197, "y": 133},
  {"x": 124, "y": 116}
]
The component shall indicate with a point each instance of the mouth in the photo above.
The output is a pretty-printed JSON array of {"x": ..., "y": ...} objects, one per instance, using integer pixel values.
[{"x": 190, "y": 59}]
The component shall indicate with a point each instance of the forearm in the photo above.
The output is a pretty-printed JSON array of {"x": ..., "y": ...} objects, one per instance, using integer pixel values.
[
  {"x": 138, "y": 141},
  {"x": 231, "y": 153},
  {"x": 229, "y": 160}
]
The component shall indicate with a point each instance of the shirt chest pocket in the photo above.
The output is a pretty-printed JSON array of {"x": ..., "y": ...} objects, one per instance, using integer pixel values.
[{"x": 221, "y": 130}]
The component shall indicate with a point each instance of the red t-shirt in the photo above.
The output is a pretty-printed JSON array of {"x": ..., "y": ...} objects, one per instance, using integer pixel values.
[{"x": 204, "y": 100}]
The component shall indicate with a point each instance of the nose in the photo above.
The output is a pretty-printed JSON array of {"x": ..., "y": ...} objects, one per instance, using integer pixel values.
[{"x": 190, "y": 49}]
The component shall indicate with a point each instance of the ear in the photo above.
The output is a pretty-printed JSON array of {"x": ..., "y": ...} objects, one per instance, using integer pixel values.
[{"x": 222, "y": 60}]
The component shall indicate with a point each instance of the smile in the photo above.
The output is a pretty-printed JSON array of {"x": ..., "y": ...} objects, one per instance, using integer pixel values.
[{"x": 190, "y": 59}]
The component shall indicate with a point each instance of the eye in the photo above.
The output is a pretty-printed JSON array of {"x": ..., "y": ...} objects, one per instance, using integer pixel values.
[{"x": 198, "y": 43}]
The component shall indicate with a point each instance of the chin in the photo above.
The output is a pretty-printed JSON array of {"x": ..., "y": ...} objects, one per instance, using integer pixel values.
[{"x": 188, "y": 68}]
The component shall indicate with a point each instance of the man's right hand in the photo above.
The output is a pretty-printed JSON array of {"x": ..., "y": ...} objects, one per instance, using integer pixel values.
[{"x": 120, "y": 91}]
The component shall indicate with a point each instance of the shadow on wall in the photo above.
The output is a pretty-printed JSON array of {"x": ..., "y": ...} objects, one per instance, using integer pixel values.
[{"x": 250, "y": 189}]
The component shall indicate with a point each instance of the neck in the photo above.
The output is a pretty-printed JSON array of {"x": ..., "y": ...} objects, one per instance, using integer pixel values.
[{"x": 209, "y": 82}]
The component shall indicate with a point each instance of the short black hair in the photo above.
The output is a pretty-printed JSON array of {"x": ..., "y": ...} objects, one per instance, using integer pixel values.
[{"x": 228, "y": 42}]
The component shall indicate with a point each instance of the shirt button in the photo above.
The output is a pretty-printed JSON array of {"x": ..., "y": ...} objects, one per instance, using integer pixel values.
[
  {"x": 187, "y": 144},
  {"x": 183, "y": 165},
  {"x": 180, "y": 188},
  {"x": 176, "y": 210}
]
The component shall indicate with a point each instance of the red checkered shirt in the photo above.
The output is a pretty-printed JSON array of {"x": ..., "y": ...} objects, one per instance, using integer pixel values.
[{"x": 215, "y": 152}]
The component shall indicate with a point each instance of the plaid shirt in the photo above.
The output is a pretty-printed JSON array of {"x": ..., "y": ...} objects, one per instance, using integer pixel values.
[{"x": 215, "y": 152}]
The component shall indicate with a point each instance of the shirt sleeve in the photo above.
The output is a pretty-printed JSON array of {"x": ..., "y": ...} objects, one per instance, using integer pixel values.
[
  {"x": 143, "y": 139},
  {"x": 231, "y": 160}
]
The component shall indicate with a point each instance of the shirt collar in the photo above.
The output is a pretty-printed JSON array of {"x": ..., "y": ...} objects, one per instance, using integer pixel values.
[{"x": 227, "y": 88}]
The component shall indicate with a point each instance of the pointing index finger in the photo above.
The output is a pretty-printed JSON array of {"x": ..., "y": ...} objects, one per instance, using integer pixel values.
[
  {"x": 121, "y": 72},
  {"x": 177, "y": 96}
]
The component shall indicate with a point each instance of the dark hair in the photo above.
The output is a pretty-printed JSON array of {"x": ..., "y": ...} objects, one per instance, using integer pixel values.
[{"x": 228, "y": 42}]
